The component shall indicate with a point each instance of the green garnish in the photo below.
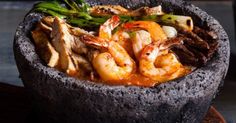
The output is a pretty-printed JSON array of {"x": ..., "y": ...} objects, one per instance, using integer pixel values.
[{"x": 77, "y": 13}]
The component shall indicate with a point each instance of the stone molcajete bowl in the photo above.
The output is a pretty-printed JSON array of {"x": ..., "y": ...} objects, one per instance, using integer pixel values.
[{"x": 65, "y": 99}]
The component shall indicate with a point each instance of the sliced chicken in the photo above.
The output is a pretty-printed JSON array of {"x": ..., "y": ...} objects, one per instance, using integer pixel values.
[
  {"x": 70, "y": 48},
  {"x": 61, "y": 40},
  {"x": 46, "y": 24},
  {"x": 77, "y": 45},
  {"x": 44, "y": 48},
  {"x": 82, "y": 63},
  {"x": 48, "y": 20},
  {"x": 45, "y": 28},
  {"x": 76, "y": 31}
]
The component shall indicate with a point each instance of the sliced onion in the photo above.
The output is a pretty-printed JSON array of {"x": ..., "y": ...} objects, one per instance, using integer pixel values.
[{"x": 170, "y": 31}]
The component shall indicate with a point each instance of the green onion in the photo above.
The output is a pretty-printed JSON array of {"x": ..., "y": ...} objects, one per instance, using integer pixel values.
[
  {"x": 54, "y": 6},
  {"x": 50, "y": 12},
  {"x": 83, "y": 22},
  {"x": 78, "y": 14},
  {"x": 84, "y": 6},
  {"x": 72, "y": 5},
  {"x": 184, "y": 22}
]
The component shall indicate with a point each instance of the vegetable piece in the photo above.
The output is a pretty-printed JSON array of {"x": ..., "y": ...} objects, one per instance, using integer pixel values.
[
  {"x": 83, "y": 5},
  {"x": 184, "y": 22},
  {"x": 85, "y": 23},
  {"x": 50, "y": 12},
  {"x": 170, "y": 32},
  {"x": 56, "y": 9},
  {"x": 55, "y": 6},
  {"x": 72, "y": 5},
  {"x": 79, "y": 11}
]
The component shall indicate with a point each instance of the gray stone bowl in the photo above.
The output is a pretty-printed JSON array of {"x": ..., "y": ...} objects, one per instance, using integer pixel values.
[{"x": 66, "y": 99}]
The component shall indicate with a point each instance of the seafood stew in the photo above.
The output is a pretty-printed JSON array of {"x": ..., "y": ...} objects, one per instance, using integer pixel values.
[{"x": 115, "y": 45}]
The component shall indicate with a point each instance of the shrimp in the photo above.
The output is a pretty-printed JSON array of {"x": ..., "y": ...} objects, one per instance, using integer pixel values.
[
  {"x": 113, "y": 64},
  {"x": 122, "y": 37},
  {"x": 105, "y": 30},
  {"x": 140, "y": 39},
  {"x": 158, "y": 67},
  {"x": 155, "y": 30},
  {"x": 133, "y": 42}
]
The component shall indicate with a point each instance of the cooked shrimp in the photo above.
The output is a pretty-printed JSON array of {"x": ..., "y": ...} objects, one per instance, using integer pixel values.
[
  {"x": 159, "y": 67},
  {"x": 140, "y": 39},
  {"x": 105, "y": 29},
  {"x": 115, "y": 63},
  {"x": 123, "y": 39},
  {"x": 157, "y": 34}
]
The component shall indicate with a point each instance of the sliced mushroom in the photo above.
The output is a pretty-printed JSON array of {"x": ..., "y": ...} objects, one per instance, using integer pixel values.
[{"x": 170, "y": 31}]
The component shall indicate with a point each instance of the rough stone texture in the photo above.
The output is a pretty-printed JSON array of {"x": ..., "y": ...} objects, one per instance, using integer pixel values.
[{"x": 67, "y": 99}]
